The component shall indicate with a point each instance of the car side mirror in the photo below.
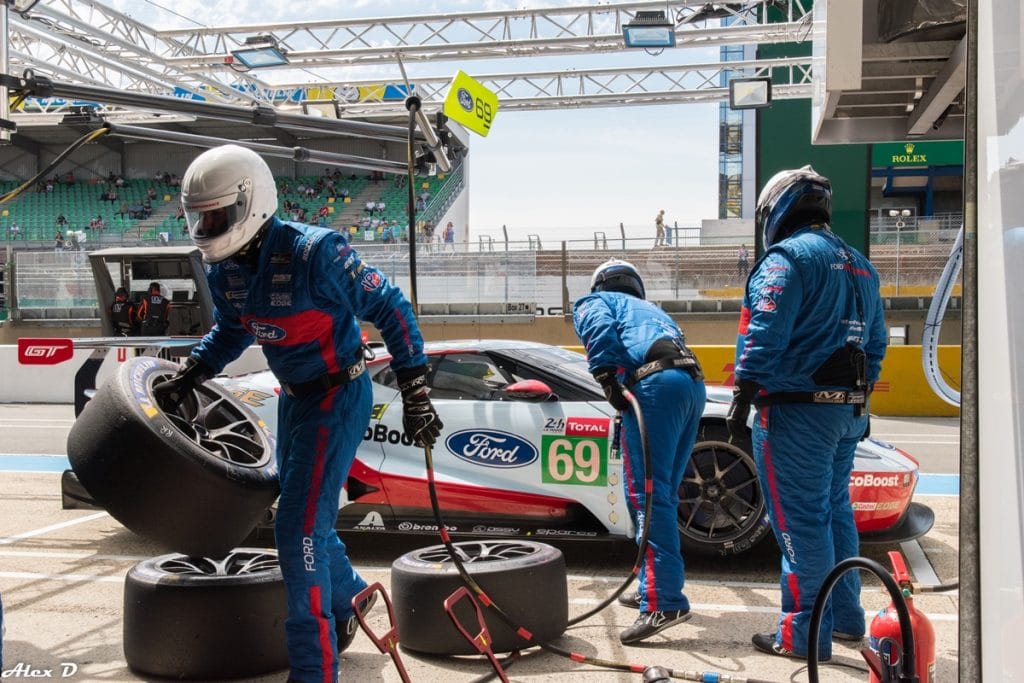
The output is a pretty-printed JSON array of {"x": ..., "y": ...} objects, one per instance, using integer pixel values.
[{"x": 531, "y": 390}]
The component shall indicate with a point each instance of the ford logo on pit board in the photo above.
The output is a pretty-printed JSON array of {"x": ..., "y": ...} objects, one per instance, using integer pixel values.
[
  {"x": 491, "y": 448},
  {"x": 265, "y": 332}
]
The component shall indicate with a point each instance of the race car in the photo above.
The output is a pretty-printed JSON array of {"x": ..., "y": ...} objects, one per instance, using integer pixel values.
[{"x": 527, "y": 450}]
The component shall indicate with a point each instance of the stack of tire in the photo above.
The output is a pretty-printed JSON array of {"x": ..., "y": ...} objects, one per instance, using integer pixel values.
[{"x": 197, "y": 478}]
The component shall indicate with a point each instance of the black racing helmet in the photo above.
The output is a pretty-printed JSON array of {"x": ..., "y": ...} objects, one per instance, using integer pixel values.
[
  {"x": 154, "y": 288},
  {"x": 791, "y": 200},
  {"x": 615, "y": 275}
]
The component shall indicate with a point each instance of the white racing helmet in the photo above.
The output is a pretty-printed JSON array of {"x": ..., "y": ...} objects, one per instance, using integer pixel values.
[
  {"x": 228, "y": 193},
  {"x": 615, "y": 275}
]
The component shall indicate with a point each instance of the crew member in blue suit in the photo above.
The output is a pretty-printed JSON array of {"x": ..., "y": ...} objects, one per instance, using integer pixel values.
[
  {"x": 631, "y": 342},
  {"x": 810, "y": 347},
  {"x": 298, "y": 291}
]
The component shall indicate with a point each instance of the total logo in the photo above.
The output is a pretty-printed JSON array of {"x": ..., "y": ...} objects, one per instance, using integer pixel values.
[{"x": 870, "y": 480}]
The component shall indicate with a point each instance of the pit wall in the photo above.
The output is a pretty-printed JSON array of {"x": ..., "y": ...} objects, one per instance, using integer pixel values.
[{"x": 901, "y": 391}]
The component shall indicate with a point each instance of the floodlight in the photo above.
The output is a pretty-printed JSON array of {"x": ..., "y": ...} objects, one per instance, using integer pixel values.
[
  {"x": 260, "y": 51},
  {"x": 649, "y": 29},
  {"x": 750, "y": 93},
  {"x": 326, "y": 109}
]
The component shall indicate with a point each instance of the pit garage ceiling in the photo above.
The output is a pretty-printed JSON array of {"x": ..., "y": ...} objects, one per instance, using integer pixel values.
[{"x": 867, "y": 90}]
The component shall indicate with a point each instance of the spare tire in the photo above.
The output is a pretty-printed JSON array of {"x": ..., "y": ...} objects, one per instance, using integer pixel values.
[
  {"x": 525, "y": 579},
  {"x": 196, "y": 477},
  {"x": 195, "y": 618}
]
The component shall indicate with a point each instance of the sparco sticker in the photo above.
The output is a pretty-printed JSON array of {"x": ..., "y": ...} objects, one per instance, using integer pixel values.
[{"x": 491, "y": 448}]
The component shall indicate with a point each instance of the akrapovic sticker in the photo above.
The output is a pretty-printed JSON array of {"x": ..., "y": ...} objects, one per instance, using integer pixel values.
[{"x": 577, "y": 453}]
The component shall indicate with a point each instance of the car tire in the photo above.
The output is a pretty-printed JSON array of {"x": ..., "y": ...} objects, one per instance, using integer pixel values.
[
  {"x": 721, "y": 505},
  {"x": 526, "y": 579},
  {"x": 196, "y": 477},
  {"x": 198, "y": 619}
]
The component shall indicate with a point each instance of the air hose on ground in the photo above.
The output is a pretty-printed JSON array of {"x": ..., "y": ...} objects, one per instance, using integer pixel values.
[
  {"x": 548, "y": 647},
  {"x": 933, "y": 323}
]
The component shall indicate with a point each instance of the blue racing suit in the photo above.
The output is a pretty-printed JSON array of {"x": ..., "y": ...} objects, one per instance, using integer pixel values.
[
  {"x": 618, "y": 330},
  {"x": 809, "y": 295},
  {"x": 299, "y": 297}
]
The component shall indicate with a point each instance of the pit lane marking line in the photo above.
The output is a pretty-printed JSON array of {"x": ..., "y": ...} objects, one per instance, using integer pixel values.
[
  {"x": 78, "y": 578},
  {"x": 762, "y": 585},
  {"x": 53, "y": 527},
  {"x": 701, "y": 608},
  {"x": 920, "y": 568},
  {"x": 59, "y": 555}
]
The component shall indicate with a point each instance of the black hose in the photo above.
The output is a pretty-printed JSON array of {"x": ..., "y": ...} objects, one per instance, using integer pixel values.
[{"x": 907, "y": 657}]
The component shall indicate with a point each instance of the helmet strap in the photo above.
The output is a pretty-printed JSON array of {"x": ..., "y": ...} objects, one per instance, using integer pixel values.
[{"x": 249, "y": 253}]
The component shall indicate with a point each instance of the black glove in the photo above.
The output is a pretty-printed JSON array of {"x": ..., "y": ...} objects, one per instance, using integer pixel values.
[
  {"x": 191, "y": 374},
  {"x": 612, "y": 389},
  {"x": 867, "y": 429},
  {"x": 742, "y": 394},
  {"x": 419, "y": 418}
]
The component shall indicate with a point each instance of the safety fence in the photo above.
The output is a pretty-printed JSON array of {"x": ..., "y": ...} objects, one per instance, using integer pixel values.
[{"x": 517, "y": 277}]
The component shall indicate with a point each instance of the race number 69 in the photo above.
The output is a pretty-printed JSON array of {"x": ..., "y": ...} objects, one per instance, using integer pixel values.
[{"x": 574, "y": 460}]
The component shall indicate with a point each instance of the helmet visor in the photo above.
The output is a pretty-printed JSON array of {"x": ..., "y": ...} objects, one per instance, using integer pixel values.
[{"x": 212, "y": 218}]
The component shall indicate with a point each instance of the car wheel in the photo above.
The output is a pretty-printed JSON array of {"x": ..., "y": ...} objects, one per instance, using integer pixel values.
[
  {"x": 721, "y": 507},
  {"x": 196, "y": 477},
  {"x": 197, "y": 618},
  {"x": 525, "y": 579}
]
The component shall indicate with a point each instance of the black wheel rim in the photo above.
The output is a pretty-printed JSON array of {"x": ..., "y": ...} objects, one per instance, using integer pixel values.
[
  {"x": 478, "y": 552},
  {"x": 238, "y": 562},
  {"x": 216, "y": 424},
  {"x": 719, "y": 500}
]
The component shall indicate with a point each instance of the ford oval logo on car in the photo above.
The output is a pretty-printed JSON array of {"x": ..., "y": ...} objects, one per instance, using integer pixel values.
[
  {"x": 265, "y": 332},
  {"x": 491, "y": 448}
]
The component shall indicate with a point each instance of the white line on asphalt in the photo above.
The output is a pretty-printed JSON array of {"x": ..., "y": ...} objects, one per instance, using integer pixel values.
[
  {"x": 58, "y": 555},
  {"x": 695, "y": 582},
  {"x": 52, "y": 527},
  {"x": 60, "y": 577},
  {"x": 920, "y": 568},
  {"x": 701, "y": 608}
]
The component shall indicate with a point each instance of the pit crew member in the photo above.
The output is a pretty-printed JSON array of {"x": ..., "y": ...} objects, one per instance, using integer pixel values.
[
  {"x": 810, "y": 347},
  {"x": 631, "y": 342},
  {"x": 298, "y": 290}
]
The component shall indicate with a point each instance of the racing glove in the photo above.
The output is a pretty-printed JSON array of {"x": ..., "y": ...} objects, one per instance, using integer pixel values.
[
  {"x": 612, "y": 389},
  {"x": 419, "y": 418},
  {"x": 739, "y": 410},
  {"x": 191, "y": 374}
]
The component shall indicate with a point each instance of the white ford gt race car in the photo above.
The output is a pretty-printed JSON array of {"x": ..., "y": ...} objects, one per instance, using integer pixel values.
[{"x": 526, "y": 450}]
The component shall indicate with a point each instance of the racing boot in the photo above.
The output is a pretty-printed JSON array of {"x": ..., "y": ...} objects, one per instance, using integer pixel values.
[{"x": 649, "y": 623}]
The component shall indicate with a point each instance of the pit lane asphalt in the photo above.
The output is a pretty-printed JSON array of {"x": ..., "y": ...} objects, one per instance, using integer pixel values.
[{"x": 62, "y": 576}]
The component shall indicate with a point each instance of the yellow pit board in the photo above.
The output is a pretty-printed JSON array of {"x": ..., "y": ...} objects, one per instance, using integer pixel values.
[{"x": 470, "y": 103}]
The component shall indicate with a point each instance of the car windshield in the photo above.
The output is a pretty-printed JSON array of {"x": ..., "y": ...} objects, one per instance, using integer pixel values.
[{"x": 560, "y": 362}]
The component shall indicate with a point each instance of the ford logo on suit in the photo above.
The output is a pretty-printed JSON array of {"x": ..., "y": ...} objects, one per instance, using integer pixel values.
[{"x": 491, "y": 448}]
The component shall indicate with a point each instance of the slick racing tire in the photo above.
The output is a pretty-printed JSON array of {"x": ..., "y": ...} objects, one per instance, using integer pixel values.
[
  {"x": 525, "y": 579},
  {"x": 197, "y": 618},
  {"x": 196, "y": 477},
  {"x": 721, "y": 505}
]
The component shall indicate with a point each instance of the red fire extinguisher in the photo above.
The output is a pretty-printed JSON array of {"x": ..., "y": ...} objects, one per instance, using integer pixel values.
[{"x": 886, "y": 627}]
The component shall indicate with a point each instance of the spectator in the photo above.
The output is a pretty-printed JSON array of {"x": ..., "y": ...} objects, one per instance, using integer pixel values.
[
  {"x": 286, "y": 188},
  {"x": 123, "y": 209},
  {"x": 122, "y": 313},
  {"x": 449, "y": 236},
  {"x": 630, "y": 341},
  {"x": 150, "y": 193},
  {"x": 326, "y": 396},
  {"x": 49, "y": 186},
  {"x": 371, "y": 206},
  {"x": 153, "y": 312},
  {"x": 428, "y": 235},
  {"x": 322, "y": 215},
  {"x": 659, "y": 229},
  {"x": 62, "y": 220},
  {"x": 69, "y": 178},
  {"x": 118, "y": 181},
  {"x": 15, "y": 230},
  {"x": 381, "y": 206},
  {"x": 811, "y": 341},
  {"x": 742, "y": 262},
  {"x": 58, "y": 241}
]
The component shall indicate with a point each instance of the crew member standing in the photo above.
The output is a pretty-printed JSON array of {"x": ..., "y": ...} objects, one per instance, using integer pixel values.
[
  {"x": 810, "y": 347},
  {"x": 630, "y": 341},
  {"x": 122, "y": 313},
  {"x": 297, "y": 291},
  {"x": 153, "y": 312}
]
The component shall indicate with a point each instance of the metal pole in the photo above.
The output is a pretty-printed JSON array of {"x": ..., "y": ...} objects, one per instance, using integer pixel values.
[
  {"x": 897, "y": 257},
  {"x": 622, "y": 231},
  {"x": 970, "y": 631},
  {"x": 5, "y": 104},
  {"x": 565, "y": 280},
  {"x": 504, "y": 231}
]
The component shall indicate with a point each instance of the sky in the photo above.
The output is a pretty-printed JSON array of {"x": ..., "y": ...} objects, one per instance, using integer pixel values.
[{"x": 562, "y": 174}]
